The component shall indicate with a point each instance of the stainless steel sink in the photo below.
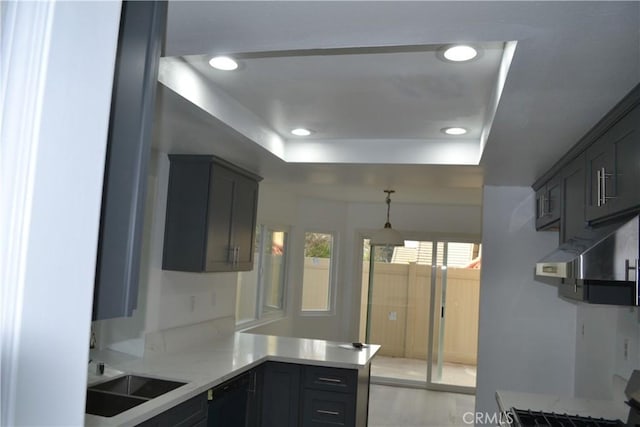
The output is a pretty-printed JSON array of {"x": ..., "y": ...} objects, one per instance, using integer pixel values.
[
  {"x": 108, "y": 405},
  {"x": 120, "y": 394}
]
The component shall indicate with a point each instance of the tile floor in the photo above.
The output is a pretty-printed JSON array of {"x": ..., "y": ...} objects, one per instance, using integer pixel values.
[
  {"x": 406, "y": 407},
  {"x": 413, "y": 369}
]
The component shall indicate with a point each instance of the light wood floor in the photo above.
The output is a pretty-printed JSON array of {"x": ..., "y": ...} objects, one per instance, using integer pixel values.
[{"x": 406, "y": 407}]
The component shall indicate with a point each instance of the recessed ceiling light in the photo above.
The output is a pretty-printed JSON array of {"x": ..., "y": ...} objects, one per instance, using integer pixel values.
[
  {"x": 454, "y": 131},
  {"x": 223, "y": 63},
  {"x": 301, "y": 132},
  {"x": 460, "y": 53}
]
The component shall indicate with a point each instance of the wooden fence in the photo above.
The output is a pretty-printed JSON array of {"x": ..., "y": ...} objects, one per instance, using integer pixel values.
[
  {"x": 401, "y": 300},
  {"x": 400, "y": 311},
  {"x": 315, "y": 292}
]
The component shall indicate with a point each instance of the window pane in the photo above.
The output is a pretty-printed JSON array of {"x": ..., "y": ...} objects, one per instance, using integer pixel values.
[
  {"x": 273, "y": 269},
  {"x": 316, "y": 283},
  {"x": 247, "y": 289}
]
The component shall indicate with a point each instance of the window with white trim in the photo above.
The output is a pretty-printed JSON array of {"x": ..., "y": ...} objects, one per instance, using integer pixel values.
[
  {"x": 261, "y": 292},
  {"x": 317, "y": 281}
]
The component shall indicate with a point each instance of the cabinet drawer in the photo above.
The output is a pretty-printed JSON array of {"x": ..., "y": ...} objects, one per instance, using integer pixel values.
[
  {"x": 323, "y": 408},
  {"x": 330, "y": 379}
]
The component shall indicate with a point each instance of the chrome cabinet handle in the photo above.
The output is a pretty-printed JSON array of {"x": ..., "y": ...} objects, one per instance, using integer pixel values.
[
  {"x": 331, "y": 380},
  {"x": 637, "y": 281},
  {"x": 234, "y": 255},
  {"x": 599, "y": 186},
  {"x": 602, "y": 186},
  {"x": 636, "y": 269},
  {"x": 322, "y": 411},
  {"x": 541, "y": 206}
]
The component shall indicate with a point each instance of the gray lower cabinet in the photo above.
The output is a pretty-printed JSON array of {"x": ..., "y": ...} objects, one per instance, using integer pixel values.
[
  {"x": 325, "y": 408},
  {"x": 192, "y": 413},
  {"x": 613, "y": 169},
  {"x": 305, "y": 395},
  {"x": 280, "y": 394},
  {"x": 211, "y": 215},
  {"x": 142, "y": 29}
]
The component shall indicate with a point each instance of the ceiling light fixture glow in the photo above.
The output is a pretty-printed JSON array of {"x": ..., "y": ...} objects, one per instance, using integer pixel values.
[
  {"x": 301, "y": 132},
  {"x": 223, "y": 63},
  {"x": 454, "y": 131},
  {"x": 460, "y": 53}
]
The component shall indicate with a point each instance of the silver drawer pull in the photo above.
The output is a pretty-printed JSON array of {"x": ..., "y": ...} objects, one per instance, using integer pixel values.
[
  {"x": 322, "y": 411},
  {"x": 331, "y": 380}
]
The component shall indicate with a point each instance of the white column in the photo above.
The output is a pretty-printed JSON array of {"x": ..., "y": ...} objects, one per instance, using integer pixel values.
[{"x": 56, "y": 77}]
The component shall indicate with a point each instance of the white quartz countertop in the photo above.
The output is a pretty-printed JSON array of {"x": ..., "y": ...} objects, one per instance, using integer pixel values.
[
  {"x": 212, "y": 363},
  {"x": 607, "y": 409}
]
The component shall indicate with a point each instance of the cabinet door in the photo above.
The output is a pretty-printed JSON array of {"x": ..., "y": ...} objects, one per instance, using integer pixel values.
[
  {"x": 554, "y": 199},
  {"x": 573, "y": 206},
  {"x": 220, "y": 218},
  {"x": 186, "y": 219},
  {"x": 599, "y": 161},
  {"x": 280, "y": 395},
  {"x": 625, "y": 140},
  {"x": 548, "y": 201},
  {"x": 541, "y": 195},
  {"x": 191, "y": 413},
  {"x": 613, "y": 169},
  {"x": 244, "y": 222}
]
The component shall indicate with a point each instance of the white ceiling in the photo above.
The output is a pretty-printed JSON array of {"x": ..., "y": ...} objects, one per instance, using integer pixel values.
[
  {"x": 573, "y": 62},
  {"x": 382, "y": 97}
]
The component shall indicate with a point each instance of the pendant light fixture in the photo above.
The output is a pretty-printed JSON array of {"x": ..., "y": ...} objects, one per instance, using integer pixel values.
[{"x": 387, "y": 236}]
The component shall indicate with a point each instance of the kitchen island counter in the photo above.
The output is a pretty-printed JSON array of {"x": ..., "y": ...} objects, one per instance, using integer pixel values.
[{"x": 209, "y": 364}]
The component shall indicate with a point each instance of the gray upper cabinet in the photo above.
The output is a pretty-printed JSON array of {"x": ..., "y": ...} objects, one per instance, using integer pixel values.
[
  {"x": 548, "y": 201},
  {"x": 597, "y": 179},
  {"x": 211, "y": 215},
  {"x": 142, "y": 28},
  {"x": 613, "y": 169}
]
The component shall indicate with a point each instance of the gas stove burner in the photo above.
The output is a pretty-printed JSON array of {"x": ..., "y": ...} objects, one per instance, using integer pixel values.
[{"x": 528, "y": 418}]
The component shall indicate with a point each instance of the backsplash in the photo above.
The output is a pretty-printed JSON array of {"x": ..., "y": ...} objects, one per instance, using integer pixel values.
[
  {"x": 607, "y": 344},
  {"x": 167, "y": 299}
]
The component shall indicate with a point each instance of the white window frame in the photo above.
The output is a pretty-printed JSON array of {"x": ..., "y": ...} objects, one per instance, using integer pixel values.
[
  {"x": 333, "y": 274},
  {"x": 260, "y": 316}
]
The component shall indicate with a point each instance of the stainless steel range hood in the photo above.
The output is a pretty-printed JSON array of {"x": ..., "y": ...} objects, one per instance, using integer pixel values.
[{"x": 600, "y": 266}]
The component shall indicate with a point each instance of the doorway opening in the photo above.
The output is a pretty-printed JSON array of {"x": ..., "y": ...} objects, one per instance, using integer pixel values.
[{"x": 420, "y": 302}]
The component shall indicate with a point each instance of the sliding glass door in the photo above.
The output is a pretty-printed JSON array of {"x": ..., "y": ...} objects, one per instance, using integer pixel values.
[{"x": 420, "y": 303}]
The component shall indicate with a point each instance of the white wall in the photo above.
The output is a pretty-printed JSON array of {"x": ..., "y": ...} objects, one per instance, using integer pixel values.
[
  {"x": 60, "y": 58},
  {"x": 351, "y": 221},
  {"x": 167, "y": 299},
  {"x": 527, "y": 334},
  {"x": 600, "y": 341}
]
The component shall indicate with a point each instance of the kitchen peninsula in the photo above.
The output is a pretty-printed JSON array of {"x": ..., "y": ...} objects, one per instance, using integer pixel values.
[{"x": 209, "y": 364}]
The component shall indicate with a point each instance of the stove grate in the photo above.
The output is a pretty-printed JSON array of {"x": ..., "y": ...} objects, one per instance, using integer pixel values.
[{"x": 529, "y": 418}]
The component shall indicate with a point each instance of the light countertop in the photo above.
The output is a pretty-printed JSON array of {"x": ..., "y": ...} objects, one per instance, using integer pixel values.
[
  {"x": 607, "y": 409},
  {"x": 210, "y": 364}
]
